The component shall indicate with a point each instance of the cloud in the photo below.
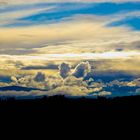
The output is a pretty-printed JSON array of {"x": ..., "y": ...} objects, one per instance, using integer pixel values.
[
  {"x": 34, "y": 14},
  {"x": 41, "y": 67},
  {"x": 53, "y": 82},
  {"x": 104, "y": 93},
  {"x": 94, "y": 84},
  {"x": 73, "y": 81},
  {"x": 71, "y": 85},
  {"x": 48, "y": 1},
  {"x": 2, "y": 84},
  {"x": 3, "y": 3},
  {"x": 125, "y": 83},
  {"x": 10, "y": 17},
  {"x": 14, "y": 79},
  {"x": 82, "y": 70},
  {"x": 22, "y": 94},
  {"x": 135, "y": 82},
  {"x": 32, "y": 40},
  {"x": 64, "y": 90},
  {"x": 40, "y": 77},
  {"x": 64, "y": 70},
  {"x": 138, "y": 91},
  {"x": 32, "y": 34},
  {"x": 69, "y": 91}
]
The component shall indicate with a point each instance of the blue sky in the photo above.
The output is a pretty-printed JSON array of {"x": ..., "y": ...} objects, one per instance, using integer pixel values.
[
  {"x": 133, "y": 22},
  {"x": 66, "y": 10},
  {"x": 63, "y": 11}
]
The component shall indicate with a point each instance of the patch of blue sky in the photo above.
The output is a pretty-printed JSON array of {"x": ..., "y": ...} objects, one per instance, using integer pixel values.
[
  {"x": 66, "y": 10},
  {"x": 132, "y": 22}
]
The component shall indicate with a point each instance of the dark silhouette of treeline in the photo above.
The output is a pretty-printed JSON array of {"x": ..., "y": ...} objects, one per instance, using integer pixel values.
[{"x": 62, "y": 104}]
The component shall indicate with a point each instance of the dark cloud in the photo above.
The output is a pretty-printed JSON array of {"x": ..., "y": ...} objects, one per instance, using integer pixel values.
[
  {"x": 49, "y": 66},
  {"x": 40, "y": 77},
  {"x": 82, "y": 69},
  {"x": 64, "y": 70}
]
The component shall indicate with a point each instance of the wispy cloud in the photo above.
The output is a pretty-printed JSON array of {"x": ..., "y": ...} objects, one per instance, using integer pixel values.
[
  {"x": 48, "y": 1},
  {"x": 63, "y": 11},
  {"x": 84, "y": 35}
]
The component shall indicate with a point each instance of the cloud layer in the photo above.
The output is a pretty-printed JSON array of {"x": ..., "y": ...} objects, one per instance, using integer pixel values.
[
  {"x": 40, "y": 84},
  {"x": 42, "y": 28}
]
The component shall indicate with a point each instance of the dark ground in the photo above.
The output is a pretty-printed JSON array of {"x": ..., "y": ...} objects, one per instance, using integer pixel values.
[
  {"x": 58, "y": 111},
  {"x": 61, "y": 104}
]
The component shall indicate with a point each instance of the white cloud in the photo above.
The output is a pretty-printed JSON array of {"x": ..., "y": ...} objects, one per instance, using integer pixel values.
[
  {"x": 73, "y": 81},
  {"x": 104, "y": 93},
  {"x": 74, "y": 56}
]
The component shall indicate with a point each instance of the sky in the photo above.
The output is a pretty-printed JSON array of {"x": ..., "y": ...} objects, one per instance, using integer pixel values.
[
  {"x": 34, "y": 31},
  {"x": 37, "y": 27}
]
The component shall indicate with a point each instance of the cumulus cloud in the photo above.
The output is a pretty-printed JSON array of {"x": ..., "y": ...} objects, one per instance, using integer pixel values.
[
  {"x": 125, "y": 83},
  {"x": 82, "y": 69},
  {"x": 14, "y": 79},
  {"x": 40, "y": 77},
  {"x": 29, "y": 81},
  {"x": 72, "y": 80},
  {"x": 53, "y": 82},
  {"x": 136, "y": 82},
  {"x": 64, "y": 70},
  {"x": 69, "y": 91},
  {"x": 74, "y": 84}
]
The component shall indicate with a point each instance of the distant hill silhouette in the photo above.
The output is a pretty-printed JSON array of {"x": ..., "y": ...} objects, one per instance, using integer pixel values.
[{"x": 59, "y": 110}]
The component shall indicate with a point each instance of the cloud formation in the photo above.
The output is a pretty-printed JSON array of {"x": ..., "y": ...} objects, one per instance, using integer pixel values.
[
  {"x": 45, "y": 33},
  {"x": 82, "y": 70},
  {"x": 64, "y": 70},
  {"x": 40, "y": 77},
  {"x": 70, "y": 86}
]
